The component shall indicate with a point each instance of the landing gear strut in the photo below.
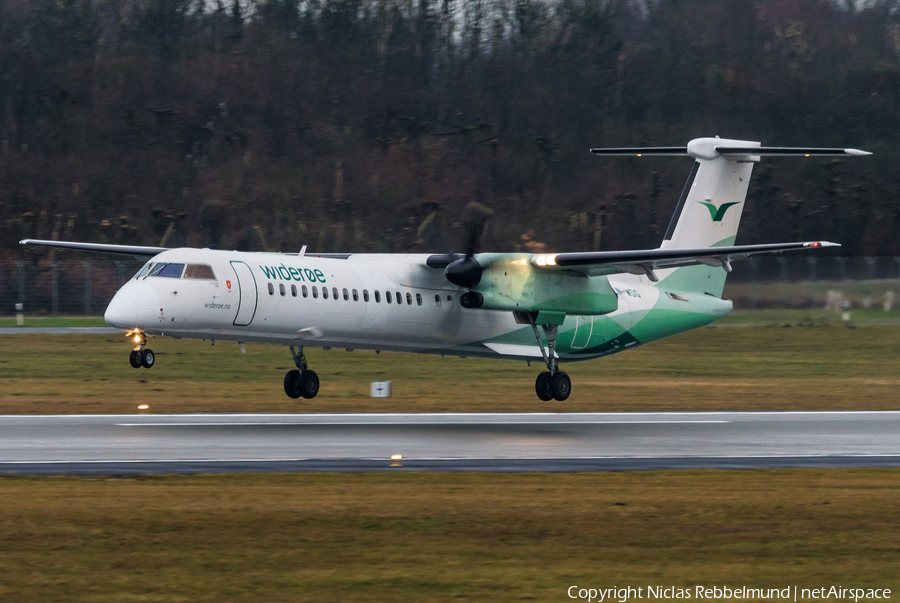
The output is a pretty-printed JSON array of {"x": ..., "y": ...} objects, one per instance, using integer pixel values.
[
  {"x": 141, "y": 356},
  {"x": 552, "y": 383},
  {"x": 301, "y": 382}
]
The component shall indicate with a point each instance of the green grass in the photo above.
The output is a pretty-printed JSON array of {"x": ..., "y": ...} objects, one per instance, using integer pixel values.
[
  {"x": 55, "y": 321},
  {"x": 443, "y": 537},
  {"x": 765, "y": 368},
  {"x": 811, "y": 317}
]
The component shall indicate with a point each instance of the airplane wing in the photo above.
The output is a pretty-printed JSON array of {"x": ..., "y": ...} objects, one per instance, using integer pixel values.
[
  {"x": 598, "y": 263},
  {"x": 124, "y": 249}
]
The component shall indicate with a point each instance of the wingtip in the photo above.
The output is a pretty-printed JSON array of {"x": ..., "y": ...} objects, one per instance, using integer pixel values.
[
  {"x": 822, "y": 244},
  {"x": 856, "y": 152}
]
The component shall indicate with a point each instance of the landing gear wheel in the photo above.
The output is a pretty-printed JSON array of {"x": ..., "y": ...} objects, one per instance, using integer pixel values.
[
  {"x": 148, "y": 358},
  {"x": 292, "y": 384},
  {"x": 309, "y": 384},
  {"x": 542, "y": 386},
  {"x": 560, "y": 386},
  {"x": 135, "y": 358}
]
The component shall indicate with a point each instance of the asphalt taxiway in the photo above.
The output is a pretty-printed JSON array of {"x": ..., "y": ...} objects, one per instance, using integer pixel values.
[{"x": 128, "y": 444}]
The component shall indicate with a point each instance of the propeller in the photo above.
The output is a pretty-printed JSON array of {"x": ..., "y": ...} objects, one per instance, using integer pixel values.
[{"x": 465, "y": 271}]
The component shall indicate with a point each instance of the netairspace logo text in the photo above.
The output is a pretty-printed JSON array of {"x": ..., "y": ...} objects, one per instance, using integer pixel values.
[{"x": 790, "y": 593}]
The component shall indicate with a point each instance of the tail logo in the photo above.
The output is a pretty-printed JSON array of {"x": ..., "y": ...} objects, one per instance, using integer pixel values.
[{"x": 717, "y": 213}]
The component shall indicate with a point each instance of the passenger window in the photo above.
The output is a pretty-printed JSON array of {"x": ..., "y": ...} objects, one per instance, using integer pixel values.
[
  {"x": 271, "y": 289},
  {"x": 315, "y": 292},
  {"x": 346, "y": 295},
  {"x": 366, "y": 295},
  {"x": 304, "y": 290},
  {"x": 387, "y": 296},
  {"x": 437, "y": 300},
  {"x": 450, "y": 300},
  {"x": 167, "y": 270},
  {"x": 419, "y": 298},
  {"x": 281, "y": 289},
  {"x": 377, "y": 297},
  {"x": 355, "y": 295},
  {"x": 293, "y": 290},
  {"x": 199, "y": 271},
  {"x": 408, "y": 299},
  {"x": 324, "y": 292},
  {"x": 334, "y": 293}
]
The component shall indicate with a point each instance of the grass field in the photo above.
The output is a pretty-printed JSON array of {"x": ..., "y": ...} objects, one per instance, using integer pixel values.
[
  {"x": 724, "y": 368},
  {"x": 55, "y": 321},
  {"x": 443, "y": 537}
]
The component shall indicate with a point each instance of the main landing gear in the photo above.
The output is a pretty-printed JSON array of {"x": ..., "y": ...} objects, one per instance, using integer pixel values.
[
  {"x": 552, "y": 384},
  {"x": 141, "y": 356},
  {"x": 302, "y": 381}
]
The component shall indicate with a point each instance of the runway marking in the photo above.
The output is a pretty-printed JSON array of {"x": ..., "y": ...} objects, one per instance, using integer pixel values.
[
  {"x": 450, "y": 458},
  {"x": 436, "y": 423}
]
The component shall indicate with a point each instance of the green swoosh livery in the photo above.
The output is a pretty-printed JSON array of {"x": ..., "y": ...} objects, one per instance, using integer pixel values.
[{"x": 717, "y": 213}]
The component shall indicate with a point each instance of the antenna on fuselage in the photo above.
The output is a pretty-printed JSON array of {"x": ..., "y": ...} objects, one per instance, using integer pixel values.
[{"x": 302, "y": 251}]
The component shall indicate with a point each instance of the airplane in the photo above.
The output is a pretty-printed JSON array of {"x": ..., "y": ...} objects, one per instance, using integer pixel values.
[{"x": 549, "y": 307}]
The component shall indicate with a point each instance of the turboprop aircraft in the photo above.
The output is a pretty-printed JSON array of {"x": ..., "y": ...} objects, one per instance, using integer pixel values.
[{"x": 554, "y": 307}]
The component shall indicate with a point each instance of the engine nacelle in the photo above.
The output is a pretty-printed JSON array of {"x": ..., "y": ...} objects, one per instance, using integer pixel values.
[{"x": 509, "y": 282}]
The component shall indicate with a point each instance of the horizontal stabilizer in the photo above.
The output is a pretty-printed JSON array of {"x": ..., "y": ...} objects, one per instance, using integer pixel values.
[
  {"x": 639, "y": 151},
  {"x": 789, "y": 151},
  {"x": 597, "y": 263},
  {"x": 100, "y": 247},
  {"x": 710, "y": 148}
]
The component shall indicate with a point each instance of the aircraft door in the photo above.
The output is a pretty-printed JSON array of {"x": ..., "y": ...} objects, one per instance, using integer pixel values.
[
  {"x": 248, "y": 294},
  {"x": 584, "y": 327}
]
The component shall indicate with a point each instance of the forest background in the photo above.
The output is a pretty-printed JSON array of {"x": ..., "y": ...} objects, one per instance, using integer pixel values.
[{"x": 367, "y": 125}]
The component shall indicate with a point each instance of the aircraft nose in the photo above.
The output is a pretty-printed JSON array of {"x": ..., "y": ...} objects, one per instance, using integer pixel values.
[
  {"x": 131, "y": 306},
  {"x": 121, "y": 312}
]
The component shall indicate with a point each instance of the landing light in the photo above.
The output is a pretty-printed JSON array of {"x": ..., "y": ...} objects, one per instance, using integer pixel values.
[
  {"x": 396, "y": 457},
  {"x": 137, "y": 338},
  {"x": 143, "y": 407},
  {"x": 545, "y": 260}
]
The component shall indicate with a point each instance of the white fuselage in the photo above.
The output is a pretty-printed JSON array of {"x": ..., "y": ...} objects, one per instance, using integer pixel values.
[{"x": 390, "y": 302}]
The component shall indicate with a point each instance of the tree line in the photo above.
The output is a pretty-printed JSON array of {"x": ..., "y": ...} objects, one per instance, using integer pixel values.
[{"x": 367, "y": 125}]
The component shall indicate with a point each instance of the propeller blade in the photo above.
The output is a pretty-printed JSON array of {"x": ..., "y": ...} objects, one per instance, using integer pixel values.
[
  {"x": 475, "y": 216},
  {"x": 430, "y": 232}
]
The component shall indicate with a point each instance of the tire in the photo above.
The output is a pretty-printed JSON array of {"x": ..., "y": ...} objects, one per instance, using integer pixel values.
[
  {"x": 148, "y": 358},
  {"x": 309, "y": 384},
  {"x": 542, "y": 386},
  {"x": 560, "y": 386},
  {"x": 135, "y": 358},
  {"x": 292, "y": 384}
]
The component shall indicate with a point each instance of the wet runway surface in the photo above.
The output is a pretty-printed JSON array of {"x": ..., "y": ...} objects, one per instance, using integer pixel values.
[{"x": 127, "y": 444}]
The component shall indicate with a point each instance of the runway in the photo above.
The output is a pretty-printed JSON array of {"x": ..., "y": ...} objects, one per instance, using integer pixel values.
[{"x": 135, "y": 444}]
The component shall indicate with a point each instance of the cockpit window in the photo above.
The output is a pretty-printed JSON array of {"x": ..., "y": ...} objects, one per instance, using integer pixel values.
[
  {"x": 200, "y": 271},
  {"x": 167, "y": 270},
  {"x": 144, "y": 270}
]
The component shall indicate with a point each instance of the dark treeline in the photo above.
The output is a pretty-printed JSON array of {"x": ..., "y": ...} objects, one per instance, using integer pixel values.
[{"x": 348, "y": 124}]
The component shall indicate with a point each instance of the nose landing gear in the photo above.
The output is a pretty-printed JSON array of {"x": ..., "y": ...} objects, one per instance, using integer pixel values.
[
  {"x": 141, "y": 357},
  {"x": 552, "y": 384},
  {"x": 301, "y": 382}
]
